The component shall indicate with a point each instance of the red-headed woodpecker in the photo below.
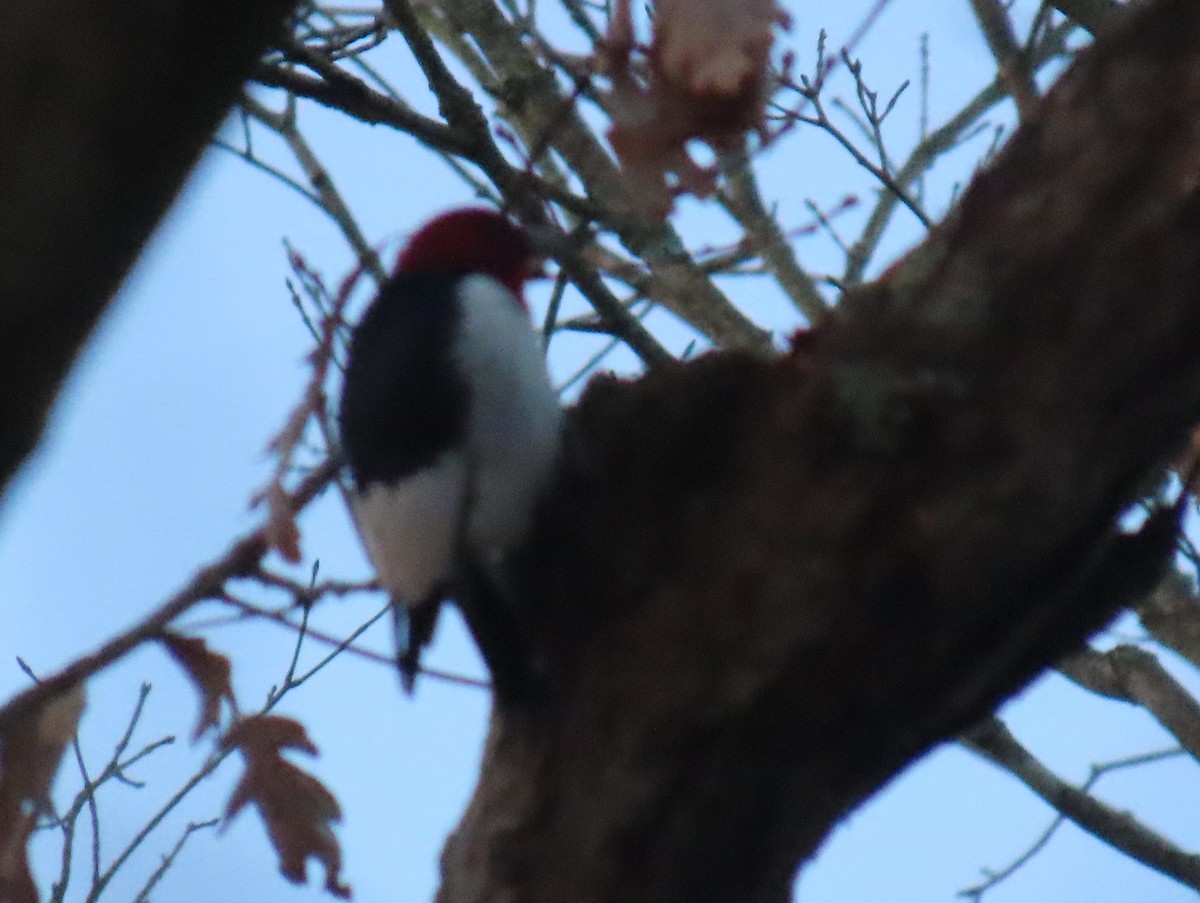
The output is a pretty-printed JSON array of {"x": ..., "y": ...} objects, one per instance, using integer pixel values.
[{"x": 450, "y": 425}]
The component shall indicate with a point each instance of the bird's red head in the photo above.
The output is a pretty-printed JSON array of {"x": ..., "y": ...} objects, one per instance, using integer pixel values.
[{"x": 471, "y": 240}]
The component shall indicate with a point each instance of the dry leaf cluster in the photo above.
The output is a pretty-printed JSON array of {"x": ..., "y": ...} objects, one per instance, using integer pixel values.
[
  {"x": 705, "y": 78},
  {"x": 296, "y": 808}
]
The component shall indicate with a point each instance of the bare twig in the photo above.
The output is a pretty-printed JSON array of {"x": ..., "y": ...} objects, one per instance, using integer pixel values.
[
  {"x": 92, "y": 807},
  {"x": 997, "y": 876},
  {"x": 741, "y": 197},
  {"x": 341, "y": 91},
  {"x": 1120, "y": 830},
  {"x": 331, "y": 200},
  {"x": 927, "y": 152},
  {"x": 341, "y": 644},
  {"x": 246, "y": 155},
  {"x": 86, "y": 797},
  {"x": 143, "y": 895},
  {"x": 895, "y": 187}
]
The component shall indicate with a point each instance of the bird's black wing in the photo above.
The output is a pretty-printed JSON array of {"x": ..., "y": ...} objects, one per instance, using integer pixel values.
[{"x": 403, "y": 404}]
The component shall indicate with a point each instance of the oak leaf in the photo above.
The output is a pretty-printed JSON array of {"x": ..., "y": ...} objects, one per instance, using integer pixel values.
[
  {"x": 296, "y": 808},
  {"x": 209, "y": 672}
]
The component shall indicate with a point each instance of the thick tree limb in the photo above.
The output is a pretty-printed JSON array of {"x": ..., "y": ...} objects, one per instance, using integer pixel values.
[
  {"x": 106, "y": 106},
  {"x": 763, "y": 587}
]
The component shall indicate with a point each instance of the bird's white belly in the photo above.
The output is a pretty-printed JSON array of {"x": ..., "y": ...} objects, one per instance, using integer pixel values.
[
  {"x": 515, "y": 419},
  {"x": 410, "y": 528}
]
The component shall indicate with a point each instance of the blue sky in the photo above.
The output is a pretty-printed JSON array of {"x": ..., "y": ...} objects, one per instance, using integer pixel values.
[{"x": 159, "y": 442}]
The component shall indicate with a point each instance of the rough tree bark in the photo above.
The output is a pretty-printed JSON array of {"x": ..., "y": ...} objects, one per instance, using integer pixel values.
[
  {"x": 105, "y": 108},
  {"x": 762, "y": 587}
]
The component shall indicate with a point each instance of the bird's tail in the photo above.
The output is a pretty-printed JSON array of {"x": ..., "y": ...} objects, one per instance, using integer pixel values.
[{"x": 413, "y": 627}]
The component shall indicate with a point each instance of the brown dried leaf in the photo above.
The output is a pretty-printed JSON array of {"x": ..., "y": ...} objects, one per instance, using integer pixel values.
[
  {"x": 296, "y": 808},
  {"x": 270, "y": 733},
  {"x": 209, "y": 671},
  {"x": 715, "y": 47},
  {"x": 707, "y": 80},
  {"x": 30, "y": 752}
]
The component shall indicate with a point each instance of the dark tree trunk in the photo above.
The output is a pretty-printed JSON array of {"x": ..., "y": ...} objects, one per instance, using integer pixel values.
[
  {"x": 764, "y": 587},
  {"x": 105, "y": 105}
]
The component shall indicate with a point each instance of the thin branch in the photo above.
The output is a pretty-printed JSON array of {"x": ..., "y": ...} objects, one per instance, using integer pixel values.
[
  {"x": 619, "y": 321},
  {"x": 241, "y": 559},
  {"x": 246, "y": 155},
  {"x": 992, "y": 740},
  {"x": 306, "y": 594},
  {"x": 168, "y": 860},
  {"x": 342, "y": 644},
  {"x": 332, "y": 202},
  {"x": 1133, "y": 675},
  {"x": 1098, "y": 771},
  {"x": 742, "y": 199},
  {"x": 291, "y": 681},
  {"x": 889, "y": 182},
  {"x": 927, "y": 152},
  {"x": 339, "y": 90},
  {"x": 87, "y": 796},
  {"x": 209, "y": 766}
]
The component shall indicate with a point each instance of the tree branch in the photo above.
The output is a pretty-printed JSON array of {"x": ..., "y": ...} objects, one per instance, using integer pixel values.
[
  {"x": 1172, "y": 616},
  {"x": 1014, "y": 70},
  {"x": 340, "y": 91},
  {"x": 1134, "y": 675},
  {"x": 241, "y": 559},
  {"x": 993, "y": 741},
  {"x": 927, "y": 152}
]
